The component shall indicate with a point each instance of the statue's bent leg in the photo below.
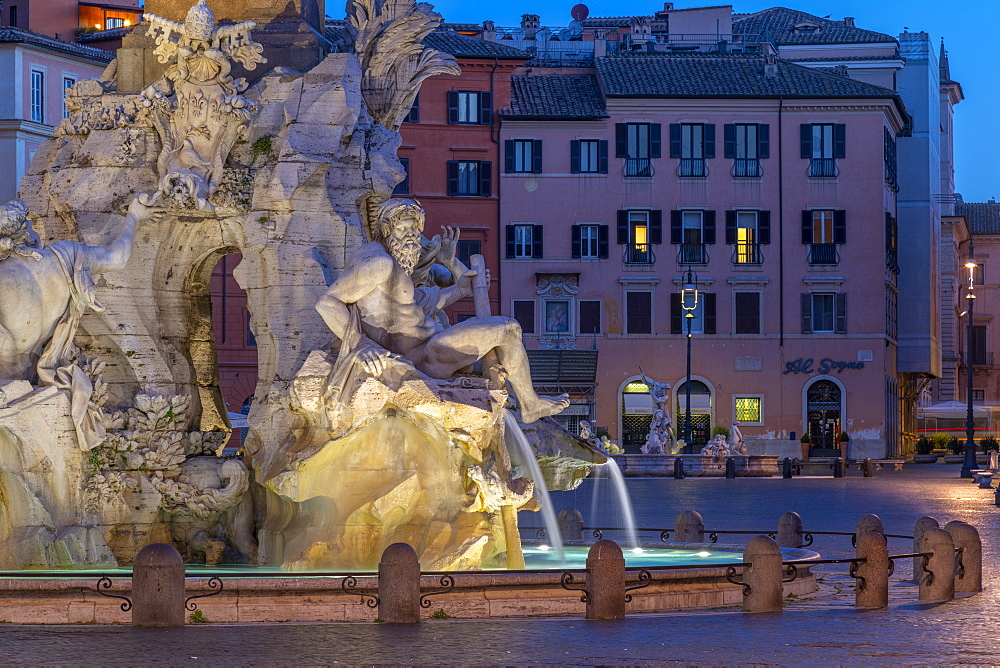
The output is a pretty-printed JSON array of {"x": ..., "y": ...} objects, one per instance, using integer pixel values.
[{"x": 464, "y": 343}]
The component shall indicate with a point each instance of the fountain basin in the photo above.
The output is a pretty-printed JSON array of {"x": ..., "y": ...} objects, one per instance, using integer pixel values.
[
  {"x": 638, "y": 466},
  {"x": 300, "y": 597}
]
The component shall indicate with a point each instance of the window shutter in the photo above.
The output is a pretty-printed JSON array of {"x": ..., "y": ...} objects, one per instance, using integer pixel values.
[
  {"x": 574, "y": 156},
  {"x": 602, "y": 156},
  {"x": 709, "y": 311},
  {"x": 486, "y": 108},
  {"x": 764, "y": 227},
  {"x": 452, "y": 107},
  {"x": 764, "y": 141},
  {"x": 415, "y": 110},
  {"x": 654, "y": 140},
  {"x": 602, "y": 241},
  {"x": 510, "y": 242},
  {"x": 840, "y": 227},
  {"x": 508, "y": 147},
  {"x": 453, "y": 177},
  {"x": 676, "y": 314},
  {"x": 807, "y": 304},
  {"x": 621, "y": 140},
  {"x": 709, "y": 140},
  {"x": 729, "y": 140},
  {"x": 656, "y": 227},
  {"x": 676, "y": 236},
  {"x": 536, "y": 242},
  {"x": 485, "y": 178},
  {"x": 708, "y": 227},
  {"x": 623, "y": 228},
  {"x": 675, "y": 140},
  {"x": 806, "y": 139},
  {"x": 807, "y": 227},
  {"x": 575, "y": 242},
  {"x": 841, "y": 325},
  {"x": 536, "y": 156},
  {"x": 730, "y": 227},
  {"x": 839, "y": 140}
]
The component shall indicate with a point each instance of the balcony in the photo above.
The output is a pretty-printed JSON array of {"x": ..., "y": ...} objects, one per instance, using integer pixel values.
[
  {"x": 746, "y": 168},
  {"x": 823, "y": 167},
  {"x": 692, "y": 167},
  {"x": 692, "y": 254},
  {"x": 824, "y": 254},
  {"x": 638, "y": 167},
  {"x": 747, "y": 254},
  {"x": 639, "y": 254},
  {"x": 980, "y": 357}
]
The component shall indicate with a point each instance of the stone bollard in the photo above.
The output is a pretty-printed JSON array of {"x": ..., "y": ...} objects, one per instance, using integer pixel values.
[
  {"x": 689, "y": 528},
  {"x": 868, "y": 467},
  {"x": 605, "y": 581},
  {"x": 158, "y": 586},
  {"x": 730, "y": 467},
  {"x": 986, "y": 481},
  {"x": 678, "y": 469},
  {"x": 968, "y": 578},
  {"x": 996, "y": 497},
  {"x": 868, "y": 524},
  {"x": 874, "y": 593},
  {"x": 939, "y": 583},
  {"x": 789, "y": 530},
  {"x": 919, "y": 529},
  {"x": 399, "y": 585},
  {"x": 786, "y": 467},
  {"x": 570, "y": 521},
  {"x": 838, "y": 468},
  {"x": 762, "y": 570}
]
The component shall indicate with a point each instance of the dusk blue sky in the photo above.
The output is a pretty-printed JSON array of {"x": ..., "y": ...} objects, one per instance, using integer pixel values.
[{"x": 968, "y": 28}]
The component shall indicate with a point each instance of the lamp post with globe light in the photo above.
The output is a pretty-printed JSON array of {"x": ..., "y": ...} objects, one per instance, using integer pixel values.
[
  {"x": 970, "y": 425},
  {"x": 689, "y": 302}
]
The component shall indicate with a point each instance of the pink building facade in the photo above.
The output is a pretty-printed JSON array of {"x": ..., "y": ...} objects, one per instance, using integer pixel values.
[
  {"x": 767, "y": 185},
  {"x": 37, "y": 71}
]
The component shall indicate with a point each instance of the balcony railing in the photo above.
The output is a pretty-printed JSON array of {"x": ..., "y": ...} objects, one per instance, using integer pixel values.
[
  {"x": 638, "y": 167},
  {"x": 892, "y": 261},
  {"x": 823, "y": 167},
  {"x": 980, "y": 357},
  {"x": 692, "y": 254},
  {"x": 747, "y": 254},
  {"x": 746, "y": 168},
  {"x": 639, "y": 254},
  {"x": 692, "y": 167},
  {"x": 824, "y": 254}
]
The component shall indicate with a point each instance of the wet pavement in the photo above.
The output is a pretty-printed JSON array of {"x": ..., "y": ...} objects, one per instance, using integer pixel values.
[{"x": 822, "y": 630}]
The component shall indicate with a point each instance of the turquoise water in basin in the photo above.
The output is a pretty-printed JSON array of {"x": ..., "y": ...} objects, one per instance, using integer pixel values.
[{"x": 542, "y": 556}]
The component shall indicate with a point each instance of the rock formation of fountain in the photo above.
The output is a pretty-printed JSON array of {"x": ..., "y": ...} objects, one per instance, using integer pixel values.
[{"x": 111, "y": 443}]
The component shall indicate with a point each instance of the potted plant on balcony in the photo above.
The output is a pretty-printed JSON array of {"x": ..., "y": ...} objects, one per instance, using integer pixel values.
[
  {"x": 924, "y": 455},
  {"x": 956, "y": 454}
]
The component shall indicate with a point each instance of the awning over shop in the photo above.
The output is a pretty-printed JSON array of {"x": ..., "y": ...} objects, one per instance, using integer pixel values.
[{"x": 556, "y": 371}]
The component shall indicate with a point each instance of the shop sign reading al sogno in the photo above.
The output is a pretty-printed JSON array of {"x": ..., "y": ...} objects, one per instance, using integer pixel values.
[{"x": 826, "y": 365}]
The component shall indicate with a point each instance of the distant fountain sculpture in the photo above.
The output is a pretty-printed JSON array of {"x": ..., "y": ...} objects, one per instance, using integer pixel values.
[
  {"x": 360, "y": 433},
  {"x": 736, "y": 443},
  {"x": 660, "y": 439},
  {"x": 717, "y": 447}
]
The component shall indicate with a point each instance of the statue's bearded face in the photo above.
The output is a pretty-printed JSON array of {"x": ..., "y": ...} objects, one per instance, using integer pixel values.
[{"x": 403, "y": 243}]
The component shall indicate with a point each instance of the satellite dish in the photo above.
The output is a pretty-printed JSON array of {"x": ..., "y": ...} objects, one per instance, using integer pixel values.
[
  {"x": 575, "y": 28},
  {"x": 579, "y": 12}
]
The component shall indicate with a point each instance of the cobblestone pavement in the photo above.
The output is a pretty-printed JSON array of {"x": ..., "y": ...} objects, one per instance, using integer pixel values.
[{"x": 822, "y": 630}]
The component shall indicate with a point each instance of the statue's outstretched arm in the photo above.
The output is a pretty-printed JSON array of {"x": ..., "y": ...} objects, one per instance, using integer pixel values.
[{"x": 116, "y": 256}]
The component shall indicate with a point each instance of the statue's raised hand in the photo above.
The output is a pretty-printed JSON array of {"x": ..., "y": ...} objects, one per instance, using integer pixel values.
[
  {"x": 138, "y": 209},
  {"x": 449, "y": 243}
]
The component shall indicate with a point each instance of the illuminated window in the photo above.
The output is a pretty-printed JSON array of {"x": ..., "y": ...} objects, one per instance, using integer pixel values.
[{"x": 749, "y": 410}]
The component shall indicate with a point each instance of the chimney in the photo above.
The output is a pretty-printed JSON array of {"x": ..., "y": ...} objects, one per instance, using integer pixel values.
[
  {"x": 530, "y": 24},
  {"x": 489, "y": 33},
  {"x": 667, "y": 6},
  {"x": 770, "y": 66},
  {"x": 849, "y": 20}
]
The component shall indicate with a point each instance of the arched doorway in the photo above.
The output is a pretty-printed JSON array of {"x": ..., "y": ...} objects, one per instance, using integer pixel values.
[
  {"x": 824, "y": 400},
  {"x": 701, "y": 414},
  {"x": 636, "y": 414}
]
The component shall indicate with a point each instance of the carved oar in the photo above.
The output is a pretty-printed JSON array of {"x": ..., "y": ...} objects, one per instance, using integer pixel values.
[{"x": 493, "y": 371}]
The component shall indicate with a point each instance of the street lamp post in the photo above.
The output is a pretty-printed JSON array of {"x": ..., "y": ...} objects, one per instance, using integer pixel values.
[
  {"x": 970, "y": 424},
  {"x": 689, "y": 302}
]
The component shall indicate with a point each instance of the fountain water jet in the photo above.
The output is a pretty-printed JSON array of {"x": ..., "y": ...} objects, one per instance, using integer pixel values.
[
  {"x": 516, "y": 438},
  {"x": 624, "y": 502}
]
